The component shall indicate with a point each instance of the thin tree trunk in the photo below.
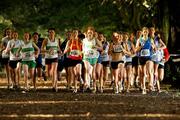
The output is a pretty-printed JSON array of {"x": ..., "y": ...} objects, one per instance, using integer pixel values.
[{"x": 165, "y": 21}]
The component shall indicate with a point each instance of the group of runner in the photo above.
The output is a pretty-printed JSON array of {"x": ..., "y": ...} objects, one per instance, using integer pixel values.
[{"x": 87, "y": 58}]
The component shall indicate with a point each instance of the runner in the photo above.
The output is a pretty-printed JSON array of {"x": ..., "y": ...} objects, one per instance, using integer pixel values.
[
  {"x": 65, "y": 61},
  {"x": 60, "y": 62},
  {"x": 38, "y": 41},
  {"x": 90, "y": 58},
  {"x": 162, "y": 64},
  {"x": 29, "y": 52},
  {"x": 128, "y": 65},
  {"x": 135, "y": 61},
  {"x": 5, "y": 56},
  {"x": 105, "y": 61},
  {"x": 116, "y": 51},
  {"x": 74, "y": 54},
  {"x": 157, "y": 57},
  {"x": 98, "y": 84},
  {"x": 14, "y": 47},
  {"x": 144, "y": 46},
  {"x": 51, "y": 48}
]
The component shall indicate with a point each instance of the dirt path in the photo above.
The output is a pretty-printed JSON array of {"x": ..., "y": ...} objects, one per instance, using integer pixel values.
[{"x": 46, "y": 105}]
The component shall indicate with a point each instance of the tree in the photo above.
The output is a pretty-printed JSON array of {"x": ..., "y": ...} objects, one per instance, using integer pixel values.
[{"x": 105, "y": 15}]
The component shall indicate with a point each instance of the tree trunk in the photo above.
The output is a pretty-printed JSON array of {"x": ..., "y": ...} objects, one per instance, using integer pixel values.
[
  {"x": 165, "y": 20},
  {"x": 173, "y": 38}
]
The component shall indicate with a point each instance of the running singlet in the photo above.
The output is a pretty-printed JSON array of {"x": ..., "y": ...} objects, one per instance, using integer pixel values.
[
  {"x": 75, "y": 52},
  {"x": 166, "y": 54},
  {"x": 52, "y": 47},
  {"x": 27, "y": 52},
  {"x": 146, "y": 48},
  {"x": 117, "y": 48},
  {"x": 14, "y": 45},
  {"x": 158, "y": 54},
  {"x": 88, "y": 50},
  {"x": 128, "y": 58},
  {"x": 104, "y": 55},
  {"x": 5, "y": 42}
]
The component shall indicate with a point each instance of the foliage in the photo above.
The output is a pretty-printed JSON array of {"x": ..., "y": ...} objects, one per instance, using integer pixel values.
[
  {"x": 172, "y": 73},
  {"x": 66, "y": 14},
  {"x": 105, "y": 15}
]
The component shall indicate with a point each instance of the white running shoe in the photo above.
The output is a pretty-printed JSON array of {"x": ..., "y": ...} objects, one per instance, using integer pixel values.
[
  {"x": 116, "y": 91},
  {"x": 144, "y": 91}
]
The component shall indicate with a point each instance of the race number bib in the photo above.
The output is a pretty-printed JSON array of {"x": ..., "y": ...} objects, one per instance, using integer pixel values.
[
  {"x": 157, "y": 56},
  {"x": 128, "y": 59},
  {"x": 74, "y": 53},
  {"x": 27, "y": 55},
  {"x": 117, "y": 48},
  {"x": 105, "y": 57},
  {"x": 52, "y": 52},
  {"x": 92, "y": 54},
  {"x": 145, "y": 52}
]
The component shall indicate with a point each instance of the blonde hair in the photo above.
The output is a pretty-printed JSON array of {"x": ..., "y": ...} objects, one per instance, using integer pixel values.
[
  {"x": 145, "y": 28},
  {"x": 90, "y": 28}
]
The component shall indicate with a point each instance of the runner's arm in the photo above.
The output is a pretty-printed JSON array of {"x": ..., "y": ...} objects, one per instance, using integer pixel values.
[
  {"x": 37, "y": 51},
  {"x": 138, "y": 47},
  {"x": 163, "y": 46},
  {"x": 8, "y": 48},
  {"x": 110, "y": 49},
  {"x": 59, "y": 49},
  {"x": 125, "y": 50},
  {"x": 67, "y": 48},
  {"x": 43, "y": 50},
  {"x": 98, "y": 45}
]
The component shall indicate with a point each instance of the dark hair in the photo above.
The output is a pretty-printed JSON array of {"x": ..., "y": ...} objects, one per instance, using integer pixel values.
[
  {"x": 100, "y": 32},
  {"x": 5, "y": 31},
  {"x": 15, "y": 31},
  {"x": 81, "y": 36},
  {"x": 35, "y": 33},
  {"x": 51, "y": 29},
  {"x": 29, "y": 35}
]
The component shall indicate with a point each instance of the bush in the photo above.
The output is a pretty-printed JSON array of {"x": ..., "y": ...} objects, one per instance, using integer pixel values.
[{"x": 172, "y": 73}]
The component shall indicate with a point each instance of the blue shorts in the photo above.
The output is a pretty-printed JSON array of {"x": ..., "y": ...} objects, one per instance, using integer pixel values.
[
  {"x": 39, "y": 61},
  {"x": 99, "y": 60}
]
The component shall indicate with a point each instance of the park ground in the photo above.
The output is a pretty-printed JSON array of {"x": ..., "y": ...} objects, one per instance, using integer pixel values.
[{"x": 44, "y": 104}]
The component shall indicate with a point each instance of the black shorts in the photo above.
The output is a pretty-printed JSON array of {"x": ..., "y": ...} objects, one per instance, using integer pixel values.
[
  {"x": 105, "y": 63},
  {"x": 60, "y": 65},
  {"x": 50, "y": 61},
  {"x": 135, "y": 61},
  {"x": 143, "y": 60},
  {"x": 128, "y": 63},
  {"x": 4, "y": 61},
  {"x": 114, "y": 65},
  {"x": 161, "y": 66},
  {"x": 72, "y": 63},
  {"x": 65, "y": 62},
  {"x": 13, "y": 63}
]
